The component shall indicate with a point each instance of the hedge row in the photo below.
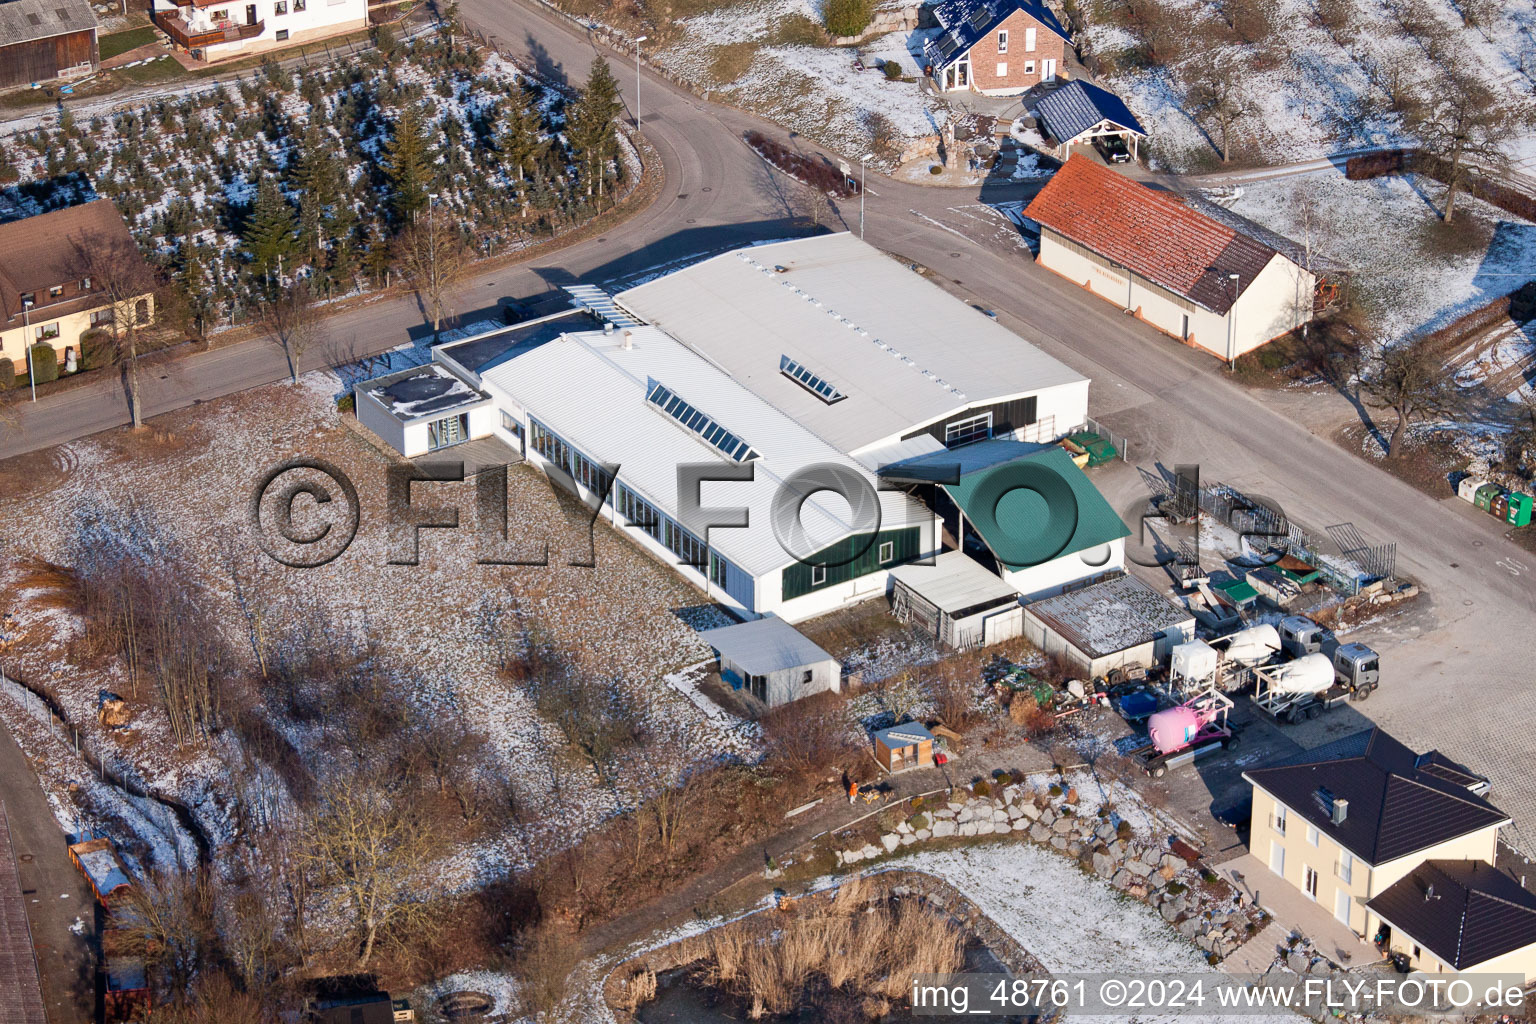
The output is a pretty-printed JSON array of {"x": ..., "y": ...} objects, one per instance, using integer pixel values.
[
  {"x": 1396, "y": 161},
  {"x": 816, "y": 173}
]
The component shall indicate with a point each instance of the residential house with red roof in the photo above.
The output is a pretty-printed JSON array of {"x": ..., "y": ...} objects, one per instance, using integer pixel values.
[
  {"x": 1202, "y": 275},
  {"x": 996, "y": 47}
]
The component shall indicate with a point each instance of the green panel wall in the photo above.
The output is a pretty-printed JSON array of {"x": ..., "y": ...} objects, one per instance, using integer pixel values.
[{"x": 797, "y": 577}]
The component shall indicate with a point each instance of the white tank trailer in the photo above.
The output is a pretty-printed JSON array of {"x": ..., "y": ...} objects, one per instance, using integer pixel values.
[
  {"x": 1196, "y": 665},
  {"x": 1312, "y": 673},
  {"x": 1249, "y": 647}
]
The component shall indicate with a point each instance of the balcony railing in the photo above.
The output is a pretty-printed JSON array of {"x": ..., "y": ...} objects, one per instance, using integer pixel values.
[{"x": 183, "y": 34}]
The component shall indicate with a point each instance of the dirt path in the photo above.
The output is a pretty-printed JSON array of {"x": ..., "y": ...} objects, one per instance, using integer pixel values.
[{"x": 706, "y": 894}]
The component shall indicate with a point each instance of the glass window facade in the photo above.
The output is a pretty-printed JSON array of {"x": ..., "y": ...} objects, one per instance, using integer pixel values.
[
  {"x": 977, "y": 428},
  {"x": 549, "y": 445}
]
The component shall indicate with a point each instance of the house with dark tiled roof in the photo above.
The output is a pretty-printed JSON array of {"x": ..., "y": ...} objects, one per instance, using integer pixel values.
[
  {"x": 41, "y": 40},
  {"x": 1193, "y": 276},
  {"x": 996, "y": 47},
  {"x": 1080, "y": 113},
  {"x": 1460, "y": 915},
  {"x": 1361, "y": 824}
]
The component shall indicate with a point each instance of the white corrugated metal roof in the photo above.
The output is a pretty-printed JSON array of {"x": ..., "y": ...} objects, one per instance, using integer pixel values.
[
  {"x": 765, "y": 645},
  {"x": 590, "y": 390},
  {"x": 904, "y": 351},
  {"x": 955, "y": 581}
]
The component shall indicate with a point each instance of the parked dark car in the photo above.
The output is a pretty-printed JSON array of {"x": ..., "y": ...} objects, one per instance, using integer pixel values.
[{"x": 1113, "y": 149}]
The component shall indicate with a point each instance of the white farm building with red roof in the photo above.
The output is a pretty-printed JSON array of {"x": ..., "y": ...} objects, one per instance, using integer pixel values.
[{"x": 1213, "y": 282}]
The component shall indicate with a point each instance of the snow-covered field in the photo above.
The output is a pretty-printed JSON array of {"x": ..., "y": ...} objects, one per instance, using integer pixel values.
[
  {"x": 633, "y": 618},
  {"x": 1385, "y": 231},
  {"x": 1314, "y": 91},
  {"x": 811, "y": 89}
]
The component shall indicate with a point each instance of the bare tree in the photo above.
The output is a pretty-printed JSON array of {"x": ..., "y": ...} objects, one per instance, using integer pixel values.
[
  {"x": 435, "y": 259},
  {"x": 816, "y": 204},
  {"x": 290, "y": 317},
  {"x": 1463, "y": 121},
  {"x": 167, "y": 919},
  {"x": 113, "y": 268},
  {"x": 1218, "y": 95},
  {"x": 372, "y": 848},
  {"x": 1410, "y": 380}
]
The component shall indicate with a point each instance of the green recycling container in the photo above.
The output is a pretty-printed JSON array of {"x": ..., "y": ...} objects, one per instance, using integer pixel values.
[
  {"x": 1519, "y": 513},
  {"x": 1485, "y": 495},
  {"x": 1499, "y": 506}
]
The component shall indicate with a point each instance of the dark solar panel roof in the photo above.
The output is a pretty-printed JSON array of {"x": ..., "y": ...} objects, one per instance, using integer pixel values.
[
  {"x": 969, "y": 20},
  {"x": 1395, "y": 807},
  {"x": 1078, "y": 106},
  {"x": 1465, "y": 912}
]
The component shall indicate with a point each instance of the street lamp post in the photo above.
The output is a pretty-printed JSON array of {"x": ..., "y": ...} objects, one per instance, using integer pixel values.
[
  {"x": 26, "y": 339},
  {"x": 638, "y": 41},
  {"x": 1232, "y": 324},
  {"x": 862, "y": 159},
  {"x": 432, "y": 257}
]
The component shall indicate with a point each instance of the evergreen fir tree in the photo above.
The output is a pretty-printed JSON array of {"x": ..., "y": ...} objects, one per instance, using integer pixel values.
[
  {"x": 408, "y": 166},
  {"x": 589, "y": 126},
  {"x": 522, "y": 137},
  {"x": 316, "y": 177},
  {"x": 271, "y": 234}
]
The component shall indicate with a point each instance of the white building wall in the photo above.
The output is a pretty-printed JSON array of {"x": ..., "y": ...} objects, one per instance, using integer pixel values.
[
  {"x": 372, "y": 414},
  {"x": 1277, "y": 301},
  {"x": 318, "y": 19},
  {"x": 1052, "y": 577}
]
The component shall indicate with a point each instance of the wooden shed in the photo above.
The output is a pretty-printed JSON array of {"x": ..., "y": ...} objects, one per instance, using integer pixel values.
[
  {"x": 41, "y": 40},
  {"x": 909, "y": 745}
]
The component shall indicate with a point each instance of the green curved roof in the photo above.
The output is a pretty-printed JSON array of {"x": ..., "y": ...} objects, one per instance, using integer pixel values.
[{"x": 1029, "y": 502}]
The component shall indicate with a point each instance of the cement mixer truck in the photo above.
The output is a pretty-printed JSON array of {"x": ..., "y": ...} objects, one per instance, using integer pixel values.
[
  {"x": 1183, "y": 734},
  {"x": 1307, "y": 686}
]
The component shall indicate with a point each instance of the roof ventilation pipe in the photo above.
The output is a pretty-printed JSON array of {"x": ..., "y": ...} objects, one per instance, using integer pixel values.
[
  {"x": 629, "y": 340},
  {"x": 608, "y": 327}
]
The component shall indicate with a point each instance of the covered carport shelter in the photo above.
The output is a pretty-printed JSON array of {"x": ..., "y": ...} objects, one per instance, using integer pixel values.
[
  {"x": 1115, "y": 623},
  {"x": 1082, "y": 112},
  {"x": 773, "y": 661},
  {"x": 956, "y": 601}
]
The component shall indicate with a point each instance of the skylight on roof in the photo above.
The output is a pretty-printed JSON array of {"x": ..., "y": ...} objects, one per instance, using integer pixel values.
[
  {"x": 713, "y": 434},
  {"x": 948, "y": 45},
  {"x": 980, "y": 16},
  {"x": 808, "y": 380}
]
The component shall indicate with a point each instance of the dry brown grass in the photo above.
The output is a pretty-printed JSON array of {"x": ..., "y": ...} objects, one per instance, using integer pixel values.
[
  {"x": 56, "y": 586},
  {"x": 840, "y": 948},
  {"x": 731, "y": 61}
]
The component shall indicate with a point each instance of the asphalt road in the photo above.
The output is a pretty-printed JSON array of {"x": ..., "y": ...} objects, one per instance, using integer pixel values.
[
  {"x": 1456, "y": 673},
  {"x": 55, "y": 893}
]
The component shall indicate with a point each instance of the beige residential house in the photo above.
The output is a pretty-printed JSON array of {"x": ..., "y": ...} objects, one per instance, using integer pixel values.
[
  {"x": 1371, "y": 830},
  {"x": 46, "y": 292}
]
